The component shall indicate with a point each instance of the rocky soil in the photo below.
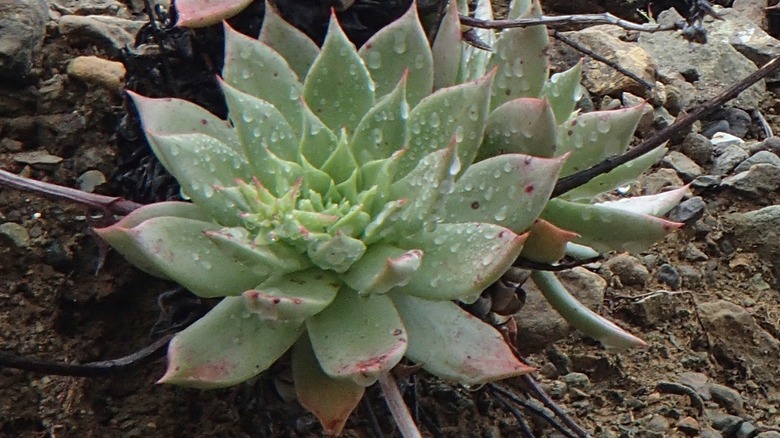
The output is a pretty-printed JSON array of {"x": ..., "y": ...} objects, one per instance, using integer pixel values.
[{"x": 706, "y": 300}]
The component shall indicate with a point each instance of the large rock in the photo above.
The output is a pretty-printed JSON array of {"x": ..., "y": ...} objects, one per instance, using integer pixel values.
[
  {"x": 758, "y": 231},
  {"x": 711, "y": 67},
  {"x": 602, "y": 79},
  {"x": 740, "y": 342},
  {"x": 539, "y": 325},
  {"x": 22, "y": 28}
]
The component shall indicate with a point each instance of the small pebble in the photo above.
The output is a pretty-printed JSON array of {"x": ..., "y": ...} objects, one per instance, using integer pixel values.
[
  {"x": 15, "y": 234},
  {"x": 721, "y": 140},
  {"x": 668, "y": 275},
  {"x": 729, "y": 399},
  {"x": 627, "y": 269},
  {"x": 689, "y": 426},
  {"x": 760, "y": 157},
  {"x": 698, "y": 148},
  {"x": 746, "y": 430},
  {"x": 730, "y": 157},
  {"x": 706, "y": 181},
  {"x": 725, "y": 423},
  {"x": 688, "y": 211},
  {"x": 684, "y": 166},
  {"x": 97, "y": 71}
]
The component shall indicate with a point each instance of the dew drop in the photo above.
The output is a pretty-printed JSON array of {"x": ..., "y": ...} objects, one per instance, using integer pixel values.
[
  {"x": 205, "y": 264},
  {"x": 245, "y": 73},
  {"x": 434, "y": 120},
  {"x": 173, "y": 150},
  {"x": 374, "y": 60},
  {"x": 603, "y": 125},
  {"x": 459, "y": 134},
  {"x": 501, "y": 214},
  {"x": 295, "y": 93},
  {"x": 399, "y": 42},
  {"x": 455, "y": 165},
  {"x": 404, "y": 110}
]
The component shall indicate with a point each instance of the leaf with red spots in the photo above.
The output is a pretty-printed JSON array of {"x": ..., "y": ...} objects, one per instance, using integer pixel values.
[
  {"x": 202, "y": 13},
  {"x": 460, "y": 260},
  {"x": 454, "y": 344},
  {"x": 227, "y": 346},
  {"x": 357, "y": 338},
  {"x": 509, "y": 190}
]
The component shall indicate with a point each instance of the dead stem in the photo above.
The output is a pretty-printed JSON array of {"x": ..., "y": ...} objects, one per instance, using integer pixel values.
[{"x": 399, "y": 410}]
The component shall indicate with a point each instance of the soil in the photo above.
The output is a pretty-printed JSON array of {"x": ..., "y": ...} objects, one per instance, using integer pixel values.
[{"x": 64, "y": 298}]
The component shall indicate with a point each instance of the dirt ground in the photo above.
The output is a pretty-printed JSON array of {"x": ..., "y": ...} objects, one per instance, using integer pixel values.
[{"x": 55, "y": 303}]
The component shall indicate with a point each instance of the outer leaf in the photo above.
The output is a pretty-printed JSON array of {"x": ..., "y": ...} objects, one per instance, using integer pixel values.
[
  {"x": 248, "y": 65},
  {"x": 447, "y": 49},
  {"x": 522, "y": 126},
  {"x": 608, "y": 229},
  {"x": 202, "y": 13},
  {"x": 508, "y": 190},
  {"x": 484, "y": 252},
  {"x": 202, "y": 164},
  {"x": 398, "y": 49},
  {"x": 295, "y": 46},
  {"x": 178, "y": 248},
  {"x": 618, "y": 177},
  {"x": 458, "y": 112},
  {"x": 474, "y": 61},
  {"x": 546, "y": 243},
  {"x": 594, "y": 136},
  {"x": 382, "y": 268},
  {"x": 338, "y": 88},
  {"x": 521, "y": 57},
  {"x": 330, "y": 400},
  {"x": 293, "y": 297},
  {"x": 382, "y": 131},
  {"x": 358, "y": 337},
  {"x": 177, "y": 116},
  {"x": 227, "y": 346},
  {"x": 563, "y": 90},
  {"x": 118, "y": 236},
  {"x": 454, "y": 344},
  {"x": 580, "y": 317},
  {"x": 654, "y": 205}
]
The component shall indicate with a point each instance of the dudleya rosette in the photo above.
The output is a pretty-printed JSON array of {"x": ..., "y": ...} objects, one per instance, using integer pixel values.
[{"x": 354, "y": 195}]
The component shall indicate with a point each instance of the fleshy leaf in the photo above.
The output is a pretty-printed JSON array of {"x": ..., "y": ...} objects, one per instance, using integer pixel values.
[
  {"x": 521, "y": 57},
  {"x": 330, "y": 400},
  {"x": 522, "y": 126},
  {"x": 338, "y": 88},
  {"x": 317, "y": 142},
  {"x": 383, "y": 268},
  {"x": 169, "y": 116},
  {"x": 426, "y": 188},
  {"x": 617, "y": 177},
  {"x": 202, "y": 164},
  {"x": 260, "y": 126},
  {"x": 483, "y": 253},
  {"x": 249, "y": 67},
  {"x": 458, "y": 112},
  {"x": 508, "y": 190},
  {"x": 473, "y": 60},
  {"x": 594, "y": 136},
  {"x": 383, "y": 129},
  {"x": 608, "y": 229},
  {"x": 398, "y": 49},
  {"x": 654, "y": 205},
  {"x": 295, "y": 46},
  {"x": 119, "y": 238},
  {"x": 447, "y": 48},
  {"x": 226, "y": 347},
  {"x": 453, "y": 344},
  {"x": 202, "y": 13},
  {"x": 179, "y": 248},
  {"x": 292, "y": 297},
  {"x": 563, "y": 91},
  {"x": 546, "y": 243},
  {"x": 582, "y": 318},
  {"x": 266, "y": 259},
  {"x": 341, "y": 165},
  {"x": 358, "y": 337},
  {"x": 337, "y": 253}
]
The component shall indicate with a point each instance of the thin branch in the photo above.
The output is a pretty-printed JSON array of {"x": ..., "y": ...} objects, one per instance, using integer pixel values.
[
  {"x": 110, "y": 204},
  {"x": 614, "y": 65},
  {"x": 569, "y": 21},
  {"x": 399, "y": 410},
  {"x": 89, "y": 369},
  {"x": 529, "y": 264},
  {"x": 576, "y": 180},
  {"x": 538, "y": 393},
  {"x": 539, "y": 412},
  {"x": 524, "y": 429}
]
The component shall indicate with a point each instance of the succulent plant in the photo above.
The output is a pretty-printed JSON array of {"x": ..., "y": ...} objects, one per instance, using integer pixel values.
[{"x": 354, "y": 195}]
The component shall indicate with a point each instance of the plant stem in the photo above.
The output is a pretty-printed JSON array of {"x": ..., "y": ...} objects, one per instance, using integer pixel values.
[{"x": 401, "y": 415}]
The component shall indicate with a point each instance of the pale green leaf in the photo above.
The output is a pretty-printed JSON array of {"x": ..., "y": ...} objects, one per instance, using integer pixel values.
[
  {"x": 382, "y": 131},
  {"x": 447, "y": 49},
  {"x": 226, "y": 347},
  {"x": 294, "y": 46},
  {"x": 522, "y": 126},
  {"x": 293, "y": 297},
  {"x": 563, "y": 91}
]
